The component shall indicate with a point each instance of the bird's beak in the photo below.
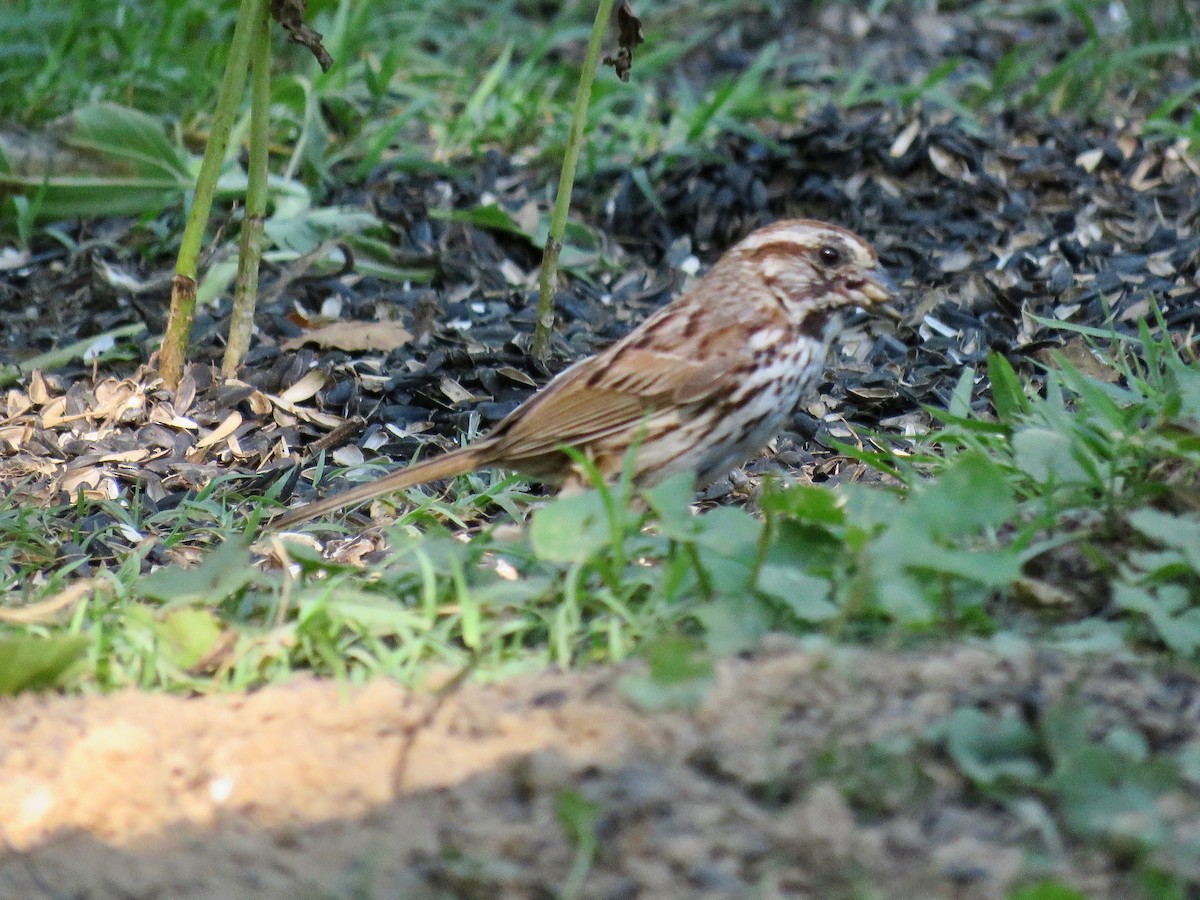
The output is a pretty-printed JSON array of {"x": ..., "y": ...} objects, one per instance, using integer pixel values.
[{"x": 879, "y": 289}]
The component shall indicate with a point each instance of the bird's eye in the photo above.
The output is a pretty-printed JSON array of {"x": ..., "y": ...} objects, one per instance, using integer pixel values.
[{"x": 831, "y": 256}]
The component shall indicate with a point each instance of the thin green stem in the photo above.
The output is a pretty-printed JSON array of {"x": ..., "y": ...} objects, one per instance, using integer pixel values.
[
  {"x": 241, "y": 324},
  {"x": 566, "y": 183},
  {"x": 183, "y": 289}
]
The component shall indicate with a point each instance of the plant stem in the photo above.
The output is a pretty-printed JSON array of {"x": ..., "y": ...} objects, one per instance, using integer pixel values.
[
  {"x": 566, "y": 182},
  {"x": 245, "y": 295},
  {"x": 183, "y": 287}
]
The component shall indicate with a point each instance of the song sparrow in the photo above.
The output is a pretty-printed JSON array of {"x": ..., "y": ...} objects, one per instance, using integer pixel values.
[{"x": 699, "y": 386}]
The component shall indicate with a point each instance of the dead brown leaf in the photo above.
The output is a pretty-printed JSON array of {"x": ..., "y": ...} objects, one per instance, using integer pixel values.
[
  {"x": 290, "y": 15},
  {"x": 355, "y": 335},
  {"x": 629, "y": 36}
]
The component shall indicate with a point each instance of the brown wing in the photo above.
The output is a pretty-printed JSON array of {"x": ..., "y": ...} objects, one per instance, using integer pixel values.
[{"x": 607, "y": 394}]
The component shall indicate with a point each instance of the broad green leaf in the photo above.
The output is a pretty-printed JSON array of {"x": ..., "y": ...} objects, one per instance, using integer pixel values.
[
  {"x": 1186, "y": 381},
  {"x": 1102, "y": 795},
  {"x": 367, "y": 611},
  {"x": 187, "y": 635},
  {"x": 680, "y": 675},
  {"x": 960, "y": 397},
  {"x": 1181, "y": 633},
  {"x": 125, "y": 135},
  {"x": 994, "y": 568},
  {"x": 491, "y": 215},
  {"x": 103, "y": 160},
  {"x": 728, "y": 531},
  {"x": 1007, "y": 395},
  {"x": 223, "y": 573},
  {"x": 33, "y": 663},
  {"x": 671, "y": 502},
  {"x": 733, "y": 623},
  {"x": 727, "y": 544},
  {"x": 570, "y": 529},
  {"x": 806, "y": 596},
  {"x": 304, "y": 231},
  {"x": 903, "y": 599},
  {"x": 1045, "y": 456},
  {"x": 989, "y": 750},
  {"x": 808, "y": 503},
  {"x": 1189, "y": 762},
  {"x": 809, "y": 547},
  {"x": 1180, "y": 532},
  {"x": 973, "y": 492},
  {"x": 868, "y": 507},
  {"x": 726, "y": 575}
]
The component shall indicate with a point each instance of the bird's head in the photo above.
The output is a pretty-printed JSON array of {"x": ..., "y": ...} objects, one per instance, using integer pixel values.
[{"x": 814, "y": 271}]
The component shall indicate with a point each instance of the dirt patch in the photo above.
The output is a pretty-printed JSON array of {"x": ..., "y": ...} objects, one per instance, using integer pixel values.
[{"x": 289, "y": 791}]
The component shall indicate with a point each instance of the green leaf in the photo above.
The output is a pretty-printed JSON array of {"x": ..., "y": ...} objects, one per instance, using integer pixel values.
[
  {"x": 487, "y": 86},
  {"x": 1007, "y": 394},
  {"x": 973, "y": 492},
  {"x": 570, "y": 529},
  {"x": 303, "y": 231},
  {"x": 1046, "y": 457},
  {"x": 491, "y": 215},
  {"x": 733, "y": 623},
  {"x": 223, "y": 573},
  {"x": 103, "y": 160},
  {"x": 578, "y": 816},
  {"x": 804, "y": 595},
  {"x": 989, "y": 750},
  {"x": 671, "y": 503},
  {"x": 868, "y": 507},
  {"x": 903, "y": 599},
  {"x": 1180, "y": 633},
  {"x": 996, "y": 568},
  {"x": 1189, "y": 762},
  {"x": 187, "y": 635},
  {"x": 960, "y": 397},
  {"x": 680, "y": 675},
  {"x": 1047, "y": 890},
  {"x": 1101, "y": 792},
  {"x": 125, "y": 135},
  {"x": 1180, "y": 532},
  {"x": 34, "y": 663},
  {"x": 728, "y": 531},
  {"x": 807, "y": 503},
  {"x": 364, "y": 611}
]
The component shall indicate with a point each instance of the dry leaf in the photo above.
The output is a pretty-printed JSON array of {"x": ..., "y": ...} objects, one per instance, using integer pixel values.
[
  {"x": 185, "y": 394},
  {"x": 516, "y": 375},
  {"x": 125, "y": 456},
  {"x": 354, "y": 335},
  {"x": 290, "y": 15},
  {"x": 18, "y": 403},
  {"x": 39, "y": 391},
  {"x": 304, "y": 389},
  {"x": 222, "y": 431},
  {"x": 904, "y": 139},
  {"x": 49, "y": 610},
  {"x": 629, "y": 36},
  {"x": 455, "y": 391},
  {"x": 1089, "y": 159}
]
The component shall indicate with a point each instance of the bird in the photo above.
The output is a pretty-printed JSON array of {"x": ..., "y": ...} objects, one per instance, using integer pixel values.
[{"x": 699, "y": 386}]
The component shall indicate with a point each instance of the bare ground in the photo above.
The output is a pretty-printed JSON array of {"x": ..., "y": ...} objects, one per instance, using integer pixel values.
[{"x": 290, "y": 791}]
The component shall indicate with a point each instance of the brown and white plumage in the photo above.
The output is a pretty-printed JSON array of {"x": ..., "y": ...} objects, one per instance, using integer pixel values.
[{"x": 699, "y": 386}]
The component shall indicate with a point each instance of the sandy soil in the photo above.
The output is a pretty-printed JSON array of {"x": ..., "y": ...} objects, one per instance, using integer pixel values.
[{"x": 290, "y": 791}]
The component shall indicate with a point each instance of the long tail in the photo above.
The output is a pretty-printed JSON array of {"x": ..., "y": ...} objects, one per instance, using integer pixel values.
[{"x": 456, "y": 462}]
